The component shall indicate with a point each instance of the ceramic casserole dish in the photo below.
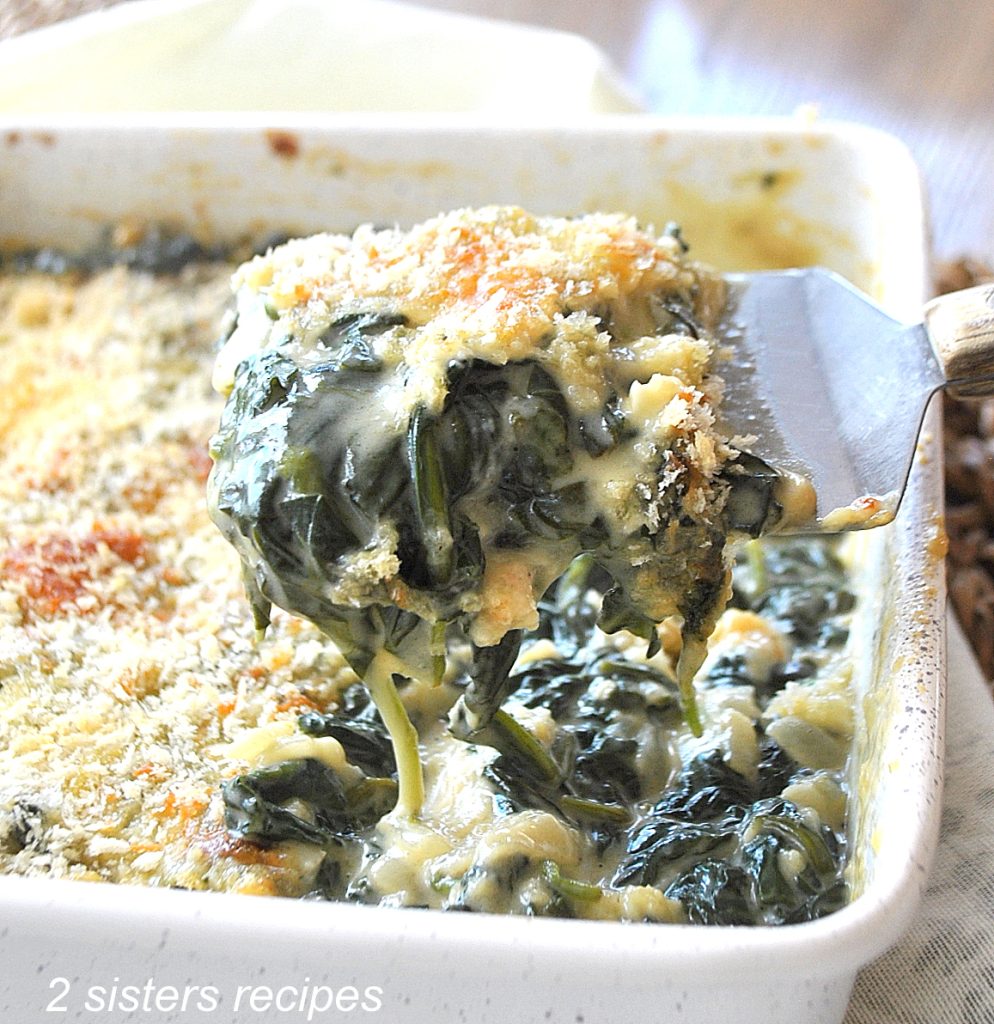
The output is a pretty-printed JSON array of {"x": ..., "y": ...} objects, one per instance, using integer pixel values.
[{"x": 750, "y": 195}]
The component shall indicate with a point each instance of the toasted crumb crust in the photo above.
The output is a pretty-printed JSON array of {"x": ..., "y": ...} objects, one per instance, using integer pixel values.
[
  {"x": 126, "y": 644},
  {"x": 495, "y": 283}
]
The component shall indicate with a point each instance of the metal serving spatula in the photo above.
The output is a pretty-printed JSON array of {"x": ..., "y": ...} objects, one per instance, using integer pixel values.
[{"x": 835, "y": 390}]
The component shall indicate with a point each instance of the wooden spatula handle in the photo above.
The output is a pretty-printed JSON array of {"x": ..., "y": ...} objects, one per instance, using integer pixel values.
[{"x": 961, "y": 326}]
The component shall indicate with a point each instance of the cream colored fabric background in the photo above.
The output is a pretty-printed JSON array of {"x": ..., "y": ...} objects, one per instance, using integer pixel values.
[{"x": 943, "y": 971}]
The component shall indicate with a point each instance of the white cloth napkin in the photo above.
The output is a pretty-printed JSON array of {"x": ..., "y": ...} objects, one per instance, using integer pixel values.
[
  {"x": 369, "y": 55},
  {"x": 942, "y": 972}
]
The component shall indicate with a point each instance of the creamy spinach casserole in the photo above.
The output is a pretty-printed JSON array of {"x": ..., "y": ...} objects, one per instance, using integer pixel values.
[{"x": 483, "y": 457}]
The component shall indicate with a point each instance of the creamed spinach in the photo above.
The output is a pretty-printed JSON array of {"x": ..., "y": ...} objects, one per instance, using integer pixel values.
[{"x": 424, "y": 432}]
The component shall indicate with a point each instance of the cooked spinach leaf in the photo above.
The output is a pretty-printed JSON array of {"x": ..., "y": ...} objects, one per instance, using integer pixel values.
[
  {"x": 364, "y": 739},
  {"x": 755, "y": 883},
  {"x": 254, "y": 803},
  {"x": 155, "y": 249},
  {"x": 304, "y": 800},
  {"x": 752, "y": 507},
  {"x": 24, "y": 828},
  {"x": 715, "y": 892}
]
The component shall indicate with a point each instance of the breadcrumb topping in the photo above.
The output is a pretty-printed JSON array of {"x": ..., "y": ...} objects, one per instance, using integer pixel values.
[{"x": 126, "y": 662}]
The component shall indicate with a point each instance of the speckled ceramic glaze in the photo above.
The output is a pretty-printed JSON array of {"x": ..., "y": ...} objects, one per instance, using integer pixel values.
[{"x": 847, "y": 198}]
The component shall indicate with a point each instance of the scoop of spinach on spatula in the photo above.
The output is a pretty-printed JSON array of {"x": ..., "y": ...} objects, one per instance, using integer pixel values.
[{"x": 424, "y": 429}]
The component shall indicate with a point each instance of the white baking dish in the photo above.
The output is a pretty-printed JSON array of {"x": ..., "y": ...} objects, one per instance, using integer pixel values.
[{"x": 749, "y": 194}]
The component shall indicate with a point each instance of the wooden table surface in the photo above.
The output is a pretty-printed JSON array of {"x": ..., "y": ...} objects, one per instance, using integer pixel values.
[{"x": 921, "y": 69}]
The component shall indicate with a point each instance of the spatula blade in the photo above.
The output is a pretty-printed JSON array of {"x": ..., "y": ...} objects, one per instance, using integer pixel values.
[{"x": 831, "y": 387}]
